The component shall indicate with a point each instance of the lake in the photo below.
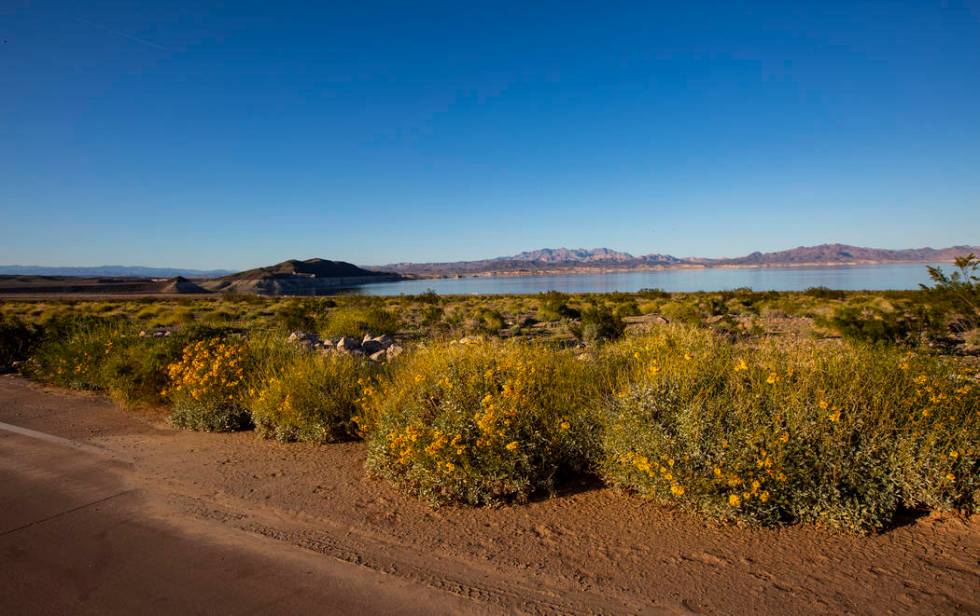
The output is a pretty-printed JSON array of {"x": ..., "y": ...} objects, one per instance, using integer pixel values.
[{"x": 857, "y": 277}]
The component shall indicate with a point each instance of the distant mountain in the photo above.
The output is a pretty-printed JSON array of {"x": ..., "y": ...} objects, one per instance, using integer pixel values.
[
  {"x": 571, "y": 255},
  {"x": 844, "y": 254},
  {"x": 131, "y": 271},
  {"x": 546, "y": 260},
  {"x": 583, "y": 260}
]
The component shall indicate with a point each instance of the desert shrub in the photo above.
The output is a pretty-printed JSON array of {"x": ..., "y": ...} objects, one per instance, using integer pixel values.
[
  {"x": 958, "y": 292},
  {"x": 598, "y": 324},
  {"x": 626, "y": 309},
  {"x": 654, "y": 293},
  {"x": 135, "y": 368},
  {"x": 480, "y": 423},
  {"x": 359, "y": 320},
  {"x": 72, "y": 352},
  {"x": 430, "y": 316},
  {"x": 868, "y": 323},
  {"x": 301, "y": 313},
  {"x": 207, "y": 387},
  {"x": 824, "y": 293},
  {"x": 773, "y": 433},
  {"x": 681, "y": 312},
  {"x": 17, "y": 339},
  {"x": 311, "y": 399},
  {"x": 554, "y": 306},
  {"x": 486, "y": 320},
  {"x": 429, "y": 296}
]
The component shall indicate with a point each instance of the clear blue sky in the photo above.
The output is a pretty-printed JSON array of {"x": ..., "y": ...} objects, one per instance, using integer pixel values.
[{"x": 242, "y": 133}]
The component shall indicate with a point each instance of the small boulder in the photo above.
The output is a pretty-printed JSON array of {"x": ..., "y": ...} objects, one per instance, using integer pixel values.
[
  {"x": 370, "y": 345},
  {"x": 384, "y": 340},
  {"x": 348, "y": 344},
  {"x": 379, "y": 356}
]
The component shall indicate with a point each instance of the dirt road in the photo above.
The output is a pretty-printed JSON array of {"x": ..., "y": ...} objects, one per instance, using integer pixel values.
[{"x": 109, "y": 511}]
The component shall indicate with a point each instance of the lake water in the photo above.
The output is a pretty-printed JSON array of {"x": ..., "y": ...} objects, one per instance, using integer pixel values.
[{"x": 859, "y": 277}]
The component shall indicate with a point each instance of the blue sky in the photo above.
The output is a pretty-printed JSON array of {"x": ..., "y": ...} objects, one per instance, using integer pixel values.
[{"x": 229, "y": 135}]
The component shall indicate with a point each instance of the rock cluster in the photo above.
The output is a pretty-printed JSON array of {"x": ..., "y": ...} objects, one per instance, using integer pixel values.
[
  {"x": 376, "y": 348},
  {"x": 156, "y": 332}
]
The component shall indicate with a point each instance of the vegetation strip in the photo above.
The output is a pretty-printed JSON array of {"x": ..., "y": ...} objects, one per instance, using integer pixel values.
[{"x": 708, "y": 405}]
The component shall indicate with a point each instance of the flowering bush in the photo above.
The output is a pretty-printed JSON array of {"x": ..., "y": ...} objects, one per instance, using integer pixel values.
[
  {"x": 841, "y": 435},
  {"x": 479, "y": 423},
  {"x": 312, "y": 399},
  {"x": 207, "y": 387}
]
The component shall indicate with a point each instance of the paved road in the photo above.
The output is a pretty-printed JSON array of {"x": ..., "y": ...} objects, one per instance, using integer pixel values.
[{"x": 78, "y": 535}]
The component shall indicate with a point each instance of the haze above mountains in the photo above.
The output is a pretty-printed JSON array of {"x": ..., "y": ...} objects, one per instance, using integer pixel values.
[{"x": 536, "y": 261}]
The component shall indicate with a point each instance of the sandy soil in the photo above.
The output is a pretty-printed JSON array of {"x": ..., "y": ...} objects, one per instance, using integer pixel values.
[{"x": 590, "y": 550}]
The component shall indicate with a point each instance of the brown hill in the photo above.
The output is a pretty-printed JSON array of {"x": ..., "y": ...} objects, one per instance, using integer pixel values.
[
  {"x": 181, "y": 285},
  {"x": 294, "y": 277}
]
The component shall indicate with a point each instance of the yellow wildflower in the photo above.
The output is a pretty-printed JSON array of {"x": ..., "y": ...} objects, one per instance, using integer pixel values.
[
  {"x": 511, "y": 446},
  {"x": 734, "y": 500},
  {"x": 677, "y": 490}
]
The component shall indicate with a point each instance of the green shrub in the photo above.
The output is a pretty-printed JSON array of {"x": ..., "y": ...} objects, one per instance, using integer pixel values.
[
  {"x": 480, "y": 423},
  {"x": 873, "y": 324},
  {"x": 357, "y": 321},
  {"x": 487, "y": 321},
  {"x": 134, "y": 370},
  {"x": 824, "y": 293},
  {"x": 958, "y": 293},
  {"x": 681, "y": 312},
  {"x": 598, "y": 324},
  {"x": 17, "y": 339},
  {"x": 773, "y": 433},
  {"x": 554, "y": 306},
  {"x": 626, "y": 309},
  {"x": 312, "y": 399},
  {"x": 302, "y": 313},
  {"x": 72, "y": 353},
  {"x": 207, "y": 386}
]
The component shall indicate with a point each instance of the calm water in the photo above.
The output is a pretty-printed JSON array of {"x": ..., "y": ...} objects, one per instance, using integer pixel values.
[{"x": 870, "y": 277}]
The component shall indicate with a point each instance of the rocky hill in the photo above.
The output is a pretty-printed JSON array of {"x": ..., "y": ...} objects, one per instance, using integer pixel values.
[{"x": 294, "y": 277}]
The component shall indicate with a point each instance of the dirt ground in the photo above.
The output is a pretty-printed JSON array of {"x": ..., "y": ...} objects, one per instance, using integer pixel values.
[{"x": 234, "y": 524}]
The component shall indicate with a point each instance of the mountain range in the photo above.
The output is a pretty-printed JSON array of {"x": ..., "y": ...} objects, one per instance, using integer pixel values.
[
  {"x": 571, "y": 260},
  {"x": 114, "y": 271}
]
